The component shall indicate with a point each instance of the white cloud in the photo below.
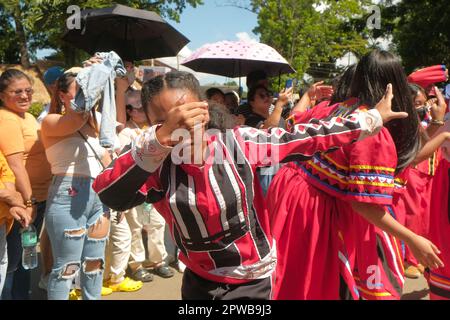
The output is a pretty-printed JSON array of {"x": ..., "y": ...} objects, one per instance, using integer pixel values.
[{"x": 244, "y": 36}]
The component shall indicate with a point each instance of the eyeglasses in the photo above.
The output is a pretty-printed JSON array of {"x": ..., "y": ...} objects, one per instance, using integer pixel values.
[
  {"x": 265, "y": 95},
  {"x": 18, "y": 93}
]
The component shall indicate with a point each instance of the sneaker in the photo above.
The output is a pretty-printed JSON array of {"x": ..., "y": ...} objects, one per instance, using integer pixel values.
[
  {"x": 127, "y": 285},
  {"x": 43, "y": 282},
  {"x": 164, "y": 271},
  {"x": 412, "y": 272}
]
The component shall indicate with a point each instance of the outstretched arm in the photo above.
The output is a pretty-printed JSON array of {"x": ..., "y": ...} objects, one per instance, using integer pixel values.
[
  {"x": 431, "y": 146},
  {"x": 267, "y": 148},
  {"x": 424, "y": 250}
]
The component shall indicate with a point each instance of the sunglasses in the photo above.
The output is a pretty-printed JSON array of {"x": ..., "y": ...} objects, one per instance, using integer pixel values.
[
  {"x": 18, "y": 93},
  {"x": 265, "y": 95}
]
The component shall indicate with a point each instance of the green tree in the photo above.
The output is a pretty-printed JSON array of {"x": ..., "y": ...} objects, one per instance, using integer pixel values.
[
  {"x": 231, "y": 83},
  {"x": 40, "y": 24},
  {"x": 9, "y": 48},
  {"x": 19, "y": 16},
  {"x": 313, "y": 34},
  {"x": 420, "y": 30}
]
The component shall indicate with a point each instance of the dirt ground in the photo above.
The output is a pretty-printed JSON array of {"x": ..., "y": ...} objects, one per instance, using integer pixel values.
[{"x": 169, "y": 289}]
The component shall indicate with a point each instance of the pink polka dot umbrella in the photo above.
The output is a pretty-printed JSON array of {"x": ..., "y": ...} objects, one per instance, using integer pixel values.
[{"x": 237, "y": 59}]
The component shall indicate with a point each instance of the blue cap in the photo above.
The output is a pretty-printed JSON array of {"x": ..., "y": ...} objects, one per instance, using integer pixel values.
[{"x": 52, "y": 74}]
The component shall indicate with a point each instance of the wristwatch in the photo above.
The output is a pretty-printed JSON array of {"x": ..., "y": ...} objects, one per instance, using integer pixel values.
[{"x": 30, "y": 202}]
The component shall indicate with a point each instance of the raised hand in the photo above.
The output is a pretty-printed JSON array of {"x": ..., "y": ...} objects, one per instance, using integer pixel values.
[
  {"x": 92, "y": 60},
  {"x": 319, "y": 91},
  {"x": 284, "y": 96},
  {"x": 184, "y": 116},
  {"x": 384, "y": 107},
  {"x": 438, "y": 107}
]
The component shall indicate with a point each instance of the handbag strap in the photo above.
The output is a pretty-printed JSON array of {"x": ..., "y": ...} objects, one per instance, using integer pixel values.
[{"x": 93, "y": 150}]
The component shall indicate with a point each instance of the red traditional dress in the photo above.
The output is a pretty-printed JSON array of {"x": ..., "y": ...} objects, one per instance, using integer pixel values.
[
  {"x": 439, "y": 234},
  {"x": 412, "y": 198},
  {"x": 325, "y": 249}
]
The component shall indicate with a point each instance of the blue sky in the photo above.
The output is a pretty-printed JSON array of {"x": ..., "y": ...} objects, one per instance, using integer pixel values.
[
  {"x": 213, "y": 22},
  {"x": 209, "y": 23}
]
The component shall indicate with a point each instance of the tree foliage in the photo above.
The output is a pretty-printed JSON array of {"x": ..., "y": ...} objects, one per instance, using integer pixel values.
[
  {"x": 421, "y": 31},
  {"x": 44, "y": 22},
  {"x": 313, "y": 34},
  {"x": 9, "y": 48}
]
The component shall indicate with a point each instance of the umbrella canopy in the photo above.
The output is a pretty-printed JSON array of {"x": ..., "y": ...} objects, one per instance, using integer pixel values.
[
  {"x": 237, "y": 59},
  {"x": 134, "y": 34}
]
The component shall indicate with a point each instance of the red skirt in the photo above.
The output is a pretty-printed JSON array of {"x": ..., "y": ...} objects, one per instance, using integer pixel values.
[
  {"x": 439, "y": 279},
  {"x": 325, "y": 250},
  {"x": 376, "y": 257},
  {"x": 412, "y": 202},
  {"x": 305, "y": 229}
]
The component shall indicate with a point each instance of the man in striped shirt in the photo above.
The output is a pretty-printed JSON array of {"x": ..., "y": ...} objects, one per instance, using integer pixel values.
[{"x": 209, "y": 196}]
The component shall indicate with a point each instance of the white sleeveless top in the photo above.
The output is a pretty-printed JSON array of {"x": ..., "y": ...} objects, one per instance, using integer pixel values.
[{"x": 74, "y": 156}]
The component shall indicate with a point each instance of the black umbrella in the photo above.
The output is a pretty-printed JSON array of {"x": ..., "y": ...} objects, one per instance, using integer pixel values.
[{"x": 134, "y": 34}]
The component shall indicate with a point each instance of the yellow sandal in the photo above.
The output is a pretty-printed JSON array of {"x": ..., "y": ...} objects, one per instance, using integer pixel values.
[
  {"x": 75, "y": 294},
  {"x": 127, "y": 285}
]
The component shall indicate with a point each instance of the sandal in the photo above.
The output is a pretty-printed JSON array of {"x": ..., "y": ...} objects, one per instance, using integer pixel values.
[
  {"x": 143, "y": 275},
  {"x": 127, "y": 285},
  {"x": 164, "y": 271}
]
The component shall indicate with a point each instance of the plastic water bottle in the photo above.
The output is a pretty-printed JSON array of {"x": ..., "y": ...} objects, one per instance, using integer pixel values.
[{"x": 29, "y": 243}]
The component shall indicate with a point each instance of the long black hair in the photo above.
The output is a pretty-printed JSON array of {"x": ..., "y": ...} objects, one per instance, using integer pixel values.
[
  {"x": 373, "y": 73},
  {"x": 341, "y": 85}
]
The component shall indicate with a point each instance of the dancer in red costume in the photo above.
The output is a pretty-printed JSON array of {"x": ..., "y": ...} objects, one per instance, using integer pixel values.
[
  {"x": 325, "y": 249},
  {"x": 439, "y": 279},
  {"x": 412, "y": 198}
]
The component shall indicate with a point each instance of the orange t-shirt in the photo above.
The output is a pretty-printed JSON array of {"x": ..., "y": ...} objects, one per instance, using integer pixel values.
[
  {"x": 6, "y": 176},
  {"x": 21, "y": 134}
]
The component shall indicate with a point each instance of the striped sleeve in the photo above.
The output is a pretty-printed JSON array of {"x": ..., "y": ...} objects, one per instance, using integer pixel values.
[
  {"x": 370, "y": 177},
  {"x": 133, "y": 176},
  {"x": 269, "y": 147}
]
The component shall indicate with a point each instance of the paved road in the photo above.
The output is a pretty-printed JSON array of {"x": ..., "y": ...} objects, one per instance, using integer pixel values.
[{"x": 169, "y": 289}]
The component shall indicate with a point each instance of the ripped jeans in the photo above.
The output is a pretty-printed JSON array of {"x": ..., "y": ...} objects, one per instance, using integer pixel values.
[{"x": 72, "y": 209}]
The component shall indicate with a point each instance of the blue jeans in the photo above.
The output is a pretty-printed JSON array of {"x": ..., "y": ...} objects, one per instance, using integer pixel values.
[
  {"x": 3, "y": 256},
  {"x": 97, "y": 82},
  {"x": 72, "y": 207},
  {"x": 18, "y": 280}
]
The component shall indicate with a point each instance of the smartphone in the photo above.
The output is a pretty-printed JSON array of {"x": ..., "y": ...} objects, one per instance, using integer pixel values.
[{"x": 289, "y": 83}]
